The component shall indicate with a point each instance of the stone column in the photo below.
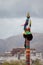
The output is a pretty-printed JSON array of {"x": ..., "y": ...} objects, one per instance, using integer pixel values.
[
  {"x": 28, "y": 38},
  {"x": 27, "y": 52}
]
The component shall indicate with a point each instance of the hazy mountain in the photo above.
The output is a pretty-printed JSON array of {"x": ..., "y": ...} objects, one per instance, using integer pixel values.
[
  {"x": 2, "y": 45},
  {"x": 18, "y": 41},
  {"x": 37, "y": 41}
]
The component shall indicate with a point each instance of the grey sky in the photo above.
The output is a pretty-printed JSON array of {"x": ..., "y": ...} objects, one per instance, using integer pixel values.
[
  {"x": 11, "y": 9},
  {"x": 18, "y": 8},
  {"x": 12, "y": 26}
]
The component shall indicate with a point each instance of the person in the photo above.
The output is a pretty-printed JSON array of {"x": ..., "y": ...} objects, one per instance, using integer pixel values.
[{"x": 27, "y": 25}]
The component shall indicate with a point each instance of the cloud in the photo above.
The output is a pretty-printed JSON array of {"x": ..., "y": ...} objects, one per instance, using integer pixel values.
[{"x": 18, "y": 8}]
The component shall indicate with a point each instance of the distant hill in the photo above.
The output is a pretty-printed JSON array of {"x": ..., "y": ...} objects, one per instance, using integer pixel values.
[
  {"x": 18, "y": 41},
  {"x": 37, "y": 41}
]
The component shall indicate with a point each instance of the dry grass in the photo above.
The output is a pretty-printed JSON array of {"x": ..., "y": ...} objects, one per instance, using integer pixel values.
[
  {"x": 21, "y": 62},
  {"x": 15, "y": 63}
]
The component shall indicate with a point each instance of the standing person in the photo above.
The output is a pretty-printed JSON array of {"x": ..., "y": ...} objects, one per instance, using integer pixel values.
[{"x": 27, "y": 25}]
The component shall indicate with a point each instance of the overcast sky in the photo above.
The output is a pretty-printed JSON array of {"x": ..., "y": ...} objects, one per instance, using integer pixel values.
[
  {"x": 19, "y": 8},
  {"x": 12, "y": 26},
  {"x": 13, "y": 13}
]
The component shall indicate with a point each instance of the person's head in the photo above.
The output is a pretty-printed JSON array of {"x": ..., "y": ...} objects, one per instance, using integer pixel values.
[{"x": 28, "y": 15}]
